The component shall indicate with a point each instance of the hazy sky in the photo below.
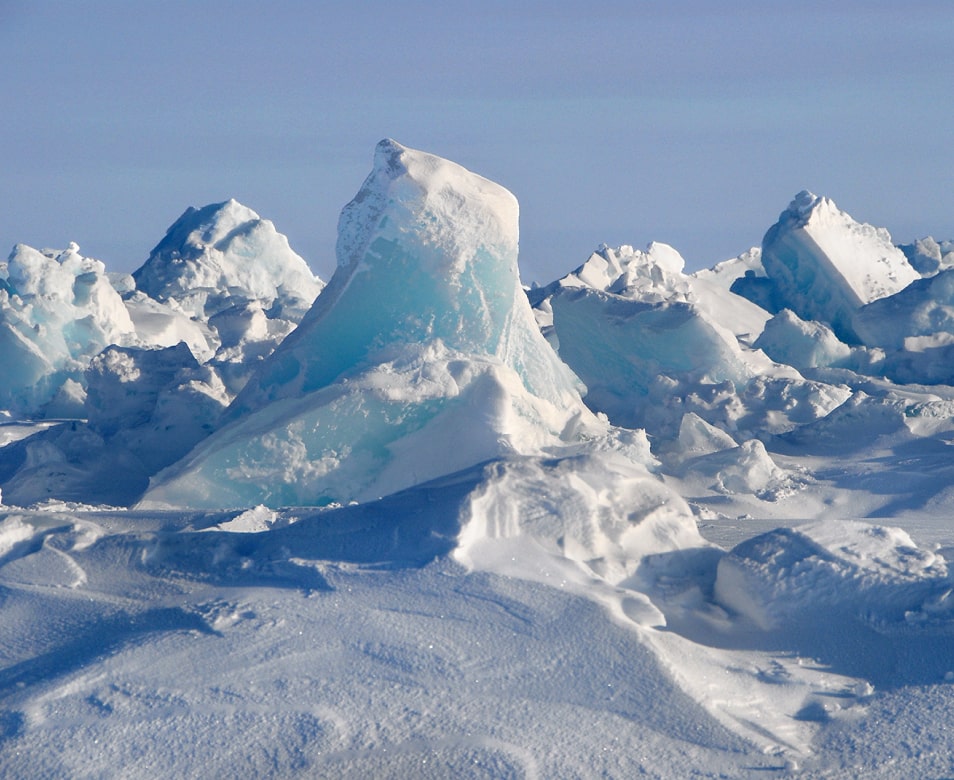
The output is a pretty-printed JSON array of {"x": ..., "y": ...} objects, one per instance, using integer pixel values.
[{"x": 690, "y": 122}]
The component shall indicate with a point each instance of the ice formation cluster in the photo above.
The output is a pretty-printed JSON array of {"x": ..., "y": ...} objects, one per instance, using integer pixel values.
[{"x": 712, "y": 458}]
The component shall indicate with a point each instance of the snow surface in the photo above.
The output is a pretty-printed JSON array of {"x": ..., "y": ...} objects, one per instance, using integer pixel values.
[{"x": 408, "y": 543}]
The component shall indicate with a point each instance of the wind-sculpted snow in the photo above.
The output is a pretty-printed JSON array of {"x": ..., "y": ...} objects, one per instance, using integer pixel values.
[
  {"x": 420, "y": 358},
  {"x": 601, "y": 509}
]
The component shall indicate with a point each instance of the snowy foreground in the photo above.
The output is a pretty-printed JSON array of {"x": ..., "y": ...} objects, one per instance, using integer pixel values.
[{"x": 422, "y": 522}]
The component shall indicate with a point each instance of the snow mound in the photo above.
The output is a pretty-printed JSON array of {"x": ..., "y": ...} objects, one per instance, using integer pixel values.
[
  {"x": 419, "y": 359},
  {"x": 824, "y": 265},
  {"x": 920, "y": 315},
  {"x": 746, "y": 469},
  {"x": 603, "y": 511},
  {"x": 222, "y": 254},
  {"x": 871, "y": 572}
]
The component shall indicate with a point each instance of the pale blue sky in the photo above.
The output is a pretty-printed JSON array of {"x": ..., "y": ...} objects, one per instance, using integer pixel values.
[{"x": 690, "y": 122}]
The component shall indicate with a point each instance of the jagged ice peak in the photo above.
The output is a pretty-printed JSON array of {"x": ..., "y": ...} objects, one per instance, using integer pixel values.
[{"x": 421, "y": 350}]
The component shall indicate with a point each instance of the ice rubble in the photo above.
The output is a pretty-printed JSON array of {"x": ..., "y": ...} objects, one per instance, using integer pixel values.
[
  {"x": 420, "y": 358},
  {"x": 163, "y": 374},
  {"x": 57, "y": 310},
  {"x": 224, "y": 254},
  {"x": 419, "y": 393},
  {"x": 223, "y": 281},
  {"x": 657, "y": 347}
]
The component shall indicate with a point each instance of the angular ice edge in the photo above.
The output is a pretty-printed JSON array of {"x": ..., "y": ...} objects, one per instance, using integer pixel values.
[
  {"x": 222, "y": 254},
  {"x": 621, "y": 348},
  {"x": 825, "y": 265},
  {"x": 419, "y": 359}
]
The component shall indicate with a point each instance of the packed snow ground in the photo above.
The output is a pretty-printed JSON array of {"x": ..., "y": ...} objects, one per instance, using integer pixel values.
[{"x": 659, "y": 524}]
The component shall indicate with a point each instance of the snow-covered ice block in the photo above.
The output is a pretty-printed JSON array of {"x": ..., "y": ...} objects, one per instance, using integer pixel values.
[
  {"x": 789, "y": 339},
  {"x": 57, "y": 310},
  {"x": 420, "y": 358},
  {"x": 621, "y": 347},
  {"x": 825, "y": 265},
  {"x": 224, "y": 253}
]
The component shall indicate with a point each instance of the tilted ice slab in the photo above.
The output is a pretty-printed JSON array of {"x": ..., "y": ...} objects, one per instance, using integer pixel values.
[
  {"x": 825, "y": 265},
  {"x": 420, "y": 358},
  {"x": 623, "y": 348},
  {"x": 222, "y": 254}
]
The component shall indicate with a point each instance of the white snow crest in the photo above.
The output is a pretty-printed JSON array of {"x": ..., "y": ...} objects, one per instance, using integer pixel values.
[{"x": 445, "y": 204}]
